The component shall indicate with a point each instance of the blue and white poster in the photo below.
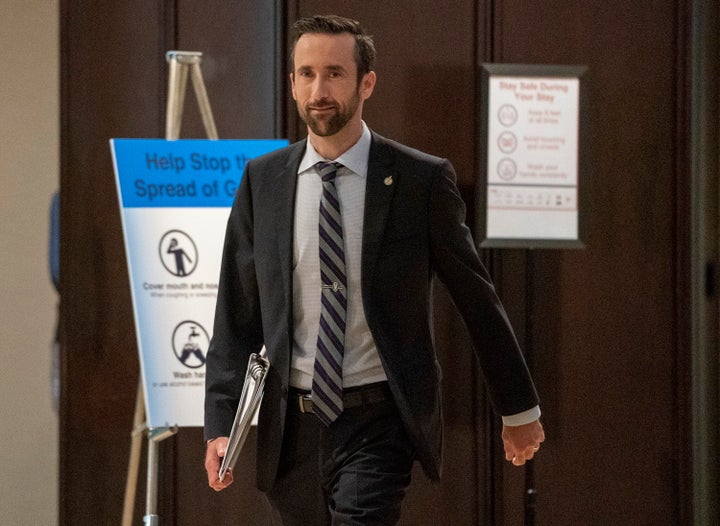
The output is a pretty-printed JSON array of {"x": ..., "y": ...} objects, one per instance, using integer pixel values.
[{"x": 175, "y": 198}]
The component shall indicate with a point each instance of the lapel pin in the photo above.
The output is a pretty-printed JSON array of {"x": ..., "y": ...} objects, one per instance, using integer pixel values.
[{"x": 388, "y": 180}]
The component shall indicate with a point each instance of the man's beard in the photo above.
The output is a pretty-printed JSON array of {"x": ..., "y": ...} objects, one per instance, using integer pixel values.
[{"x": 329, "y": 126}]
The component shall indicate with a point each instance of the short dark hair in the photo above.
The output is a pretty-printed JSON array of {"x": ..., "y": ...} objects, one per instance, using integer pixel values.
[{"x": 336, "y": 25}]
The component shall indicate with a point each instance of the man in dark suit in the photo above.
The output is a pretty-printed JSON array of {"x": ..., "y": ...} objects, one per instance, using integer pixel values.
[{"x": 342, "y": 454}]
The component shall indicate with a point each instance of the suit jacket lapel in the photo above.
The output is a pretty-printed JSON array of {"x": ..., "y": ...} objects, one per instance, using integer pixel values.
[
  {"x": 381, "y": 184},
  {"x": 284, "y": 189}
]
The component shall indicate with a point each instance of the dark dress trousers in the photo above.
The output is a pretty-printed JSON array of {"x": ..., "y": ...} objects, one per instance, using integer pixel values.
[{"x": 413, "y": 229}]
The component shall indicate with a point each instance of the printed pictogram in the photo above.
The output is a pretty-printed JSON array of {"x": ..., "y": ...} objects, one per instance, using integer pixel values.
[
  {"x": 178, "y": 253},
  {"x": 190, "y": 342},
  {"x": 507, "y": 169},
  {"x": 507, "y": 142},
  {"x": 507, "y": 114}
]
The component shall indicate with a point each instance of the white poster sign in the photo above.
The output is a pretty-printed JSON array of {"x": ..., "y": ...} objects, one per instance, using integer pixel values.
[{"x": 175, "y": 198}]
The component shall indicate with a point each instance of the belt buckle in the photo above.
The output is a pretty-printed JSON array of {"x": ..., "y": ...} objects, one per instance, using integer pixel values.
[{"x": 305, "y": 403}]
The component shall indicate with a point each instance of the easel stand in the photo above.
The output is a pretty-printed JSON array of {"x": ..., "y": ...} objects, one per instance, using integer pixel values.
[{"x": 181, "y": 63}]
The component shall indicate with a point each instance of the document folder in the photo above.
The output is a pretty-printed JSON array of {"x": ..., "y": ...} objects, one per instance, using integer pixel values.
[{"x": 252, "y": 393}]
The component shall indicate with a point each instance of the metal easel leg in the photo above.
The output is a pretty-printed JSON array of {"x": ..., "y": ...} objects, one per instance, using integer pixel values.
[
  {"x": 155, "y": 436},
  {"x": 177, "y": 82},
  {"x": 203, "y": 102},
  {"x": 151, "y": 517}
]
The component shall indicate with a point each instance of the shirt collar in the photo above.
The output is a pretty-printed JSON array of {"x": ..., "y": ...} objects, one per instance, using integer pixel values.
[{"x": 355, "y": 159}]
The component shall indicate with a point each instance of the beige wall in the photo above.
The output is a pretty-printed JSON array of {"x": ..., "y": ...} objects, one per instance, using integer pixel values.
[{"x": 29, "y": 173}]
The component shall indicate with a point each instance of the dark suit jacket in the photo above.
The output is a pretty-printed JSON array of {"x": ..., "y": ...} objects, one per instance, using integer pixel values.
[{"x": 414, "y": 229}]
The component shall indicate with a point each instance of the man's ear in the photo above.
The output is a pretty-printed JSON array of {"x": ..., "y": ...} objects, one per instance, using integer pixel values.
[
  {"x": 367, "y": 85},
  {"x": 292, "y": 85}
]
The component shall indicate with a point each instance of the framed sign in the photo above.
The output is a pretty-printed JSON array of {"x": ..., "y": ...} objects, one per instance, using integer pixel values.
[{"x": 529, "y": 192}]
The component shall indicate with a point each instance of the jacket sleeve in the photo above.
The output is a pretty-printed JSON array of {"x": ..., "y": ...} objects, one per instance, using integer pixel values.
[
  {"x": 237, "y": 330},
  {"x": 456, "y": 263}
]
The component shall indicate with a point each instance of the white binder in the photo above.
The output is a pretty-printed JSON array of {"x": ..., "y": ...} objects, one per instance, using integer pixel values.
[{"x": 247, "y": 410}]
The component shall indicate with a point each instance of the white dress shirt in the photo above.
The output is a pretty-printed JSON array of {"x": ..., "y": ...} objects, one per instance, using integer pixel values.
[{"x": 361, "y": 362}]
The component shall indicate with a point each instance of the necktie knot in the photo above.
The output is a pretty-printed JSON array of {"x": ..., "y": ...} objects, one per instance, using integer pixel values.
[{"x": 327, "y": 170}]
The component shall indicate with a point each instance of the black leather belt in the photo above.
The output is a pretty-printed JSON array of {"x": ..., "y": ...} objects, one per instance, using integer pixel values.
[{"x": 352, "y": 397}]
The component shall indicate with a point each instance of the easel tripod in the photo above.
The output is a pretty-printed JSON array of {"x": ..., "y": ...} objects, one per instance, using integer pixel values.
[{"x": 181, "y": 63}]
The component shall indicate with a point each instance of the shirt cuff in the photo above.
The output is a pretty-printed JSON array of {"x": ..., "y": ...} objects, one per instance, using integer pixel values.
[{"x": 523, "y": 418}]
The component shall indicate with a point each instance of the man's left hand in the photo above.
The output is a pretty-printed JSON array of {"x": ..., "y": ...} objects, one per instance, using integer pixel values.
[{"x": 522, "y": 442}]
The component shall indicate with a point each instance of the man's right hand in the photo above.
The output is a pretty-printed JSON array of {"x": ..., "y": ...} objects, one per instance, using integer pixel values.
[{"x": 213, "y": 458}]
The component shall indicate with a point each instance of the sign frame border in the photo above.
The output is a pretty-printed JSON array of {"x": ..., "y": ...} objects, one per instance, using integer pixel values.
[{"x": 488, "y": 70}]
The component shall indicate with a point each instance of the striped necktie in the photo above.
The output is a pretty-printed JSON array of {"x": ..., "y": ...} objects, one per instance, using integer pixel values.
[{"x": 327, "y": 378}]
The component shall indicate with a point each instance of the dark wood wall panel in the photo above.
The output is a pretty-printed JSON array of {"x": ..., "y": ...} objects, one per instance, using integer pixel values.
[
  {"x": 241, "y": 65},
  {"x": 111, "y": 77},
  {"x": 114, "y": 83},
  {"x": 600, "y": 325},
  {"x": 603, "y": 329},
  {"x": 241, "y": 68}
]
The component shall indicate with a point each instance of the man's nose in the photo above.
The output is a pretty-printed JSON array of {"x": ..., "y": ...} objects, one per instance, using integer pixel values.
[{"x": 320, "y": 88}]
